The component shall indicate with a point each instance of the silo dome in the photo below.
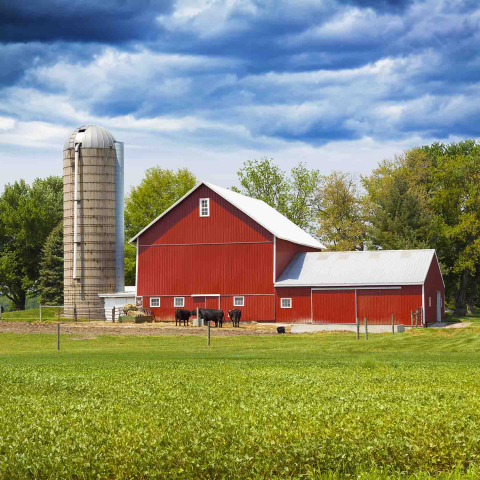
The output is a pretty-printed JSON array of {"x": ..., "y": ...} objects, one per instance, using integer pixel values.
[{"x": 90, "y": 136}]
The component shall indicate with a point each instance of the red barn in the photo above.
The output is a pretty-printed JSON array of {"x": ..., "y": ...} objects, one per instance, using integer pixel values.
[{"x": 215, "y": 248}]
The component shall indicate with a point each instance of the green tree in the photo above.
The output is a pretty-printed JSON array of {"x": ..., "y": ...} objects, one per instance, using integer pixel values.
[
  {"x": 51, "y": 269},
  {"x": 294, "y": 196},
  {"x": 340, "y": 213},
  {"x": 398, "y": 213},
  {"x": 160, "y": 189},
  {"x": 430, "y": 197},
  {"x": 27, "y": 216}
]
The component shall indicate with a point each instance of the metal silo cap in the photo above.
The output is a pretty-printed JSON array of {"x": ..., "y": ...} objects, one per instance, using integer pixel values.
[{"x": 90, "y": 136}]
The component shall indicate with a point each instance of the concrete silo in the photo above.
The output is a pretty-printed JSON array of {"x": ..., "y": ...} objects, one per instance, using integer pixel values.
[{"x": 93, "y": 220}]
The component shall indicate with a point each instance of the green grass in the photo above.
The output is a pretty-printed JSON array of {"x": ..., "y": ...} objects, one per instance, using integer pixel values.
[
  {"x": 307, "y": 406},
  {"x": 49, "y": 314}
]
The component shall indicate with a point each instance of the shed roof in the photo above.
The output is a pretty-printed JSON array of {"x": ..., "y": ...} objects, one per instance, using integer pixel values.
[
  {"x": 259, "y": 211},
  {"x": 381, "y": 267}
]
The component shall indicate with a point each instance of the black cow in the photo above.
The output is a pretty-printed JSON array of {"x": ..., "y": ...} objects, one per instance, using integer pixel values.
[
  {"x": 182, "y": 315},
  {"x": 235, "y": 315},
  {"x": 210, "y": 315}
]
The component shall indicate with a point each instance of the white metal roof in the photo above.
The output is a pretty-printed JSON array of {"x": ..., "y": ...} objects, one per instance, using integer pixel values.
[
  {"x": 259, "y": 211},
  {"x": 381, "y": 267},
  {"x": 90, "y": 136}
]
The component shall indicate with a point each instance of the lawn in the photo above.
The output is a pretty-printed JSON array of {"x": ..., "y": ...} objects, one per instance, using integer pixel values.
[{"x": 287, "y": 406}]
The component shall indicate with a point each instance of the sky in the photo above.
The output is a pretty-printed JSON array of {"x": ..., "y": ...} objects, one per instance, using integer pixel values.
[{"x": 209, "y": 84}]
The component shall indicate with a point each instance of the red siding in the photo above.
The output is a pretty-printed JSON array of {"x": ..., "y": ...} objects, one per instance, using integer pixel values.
[
  {"x": 183, "y": 224},
  {"x": 333, "y": 306},
  {"x": 434, "y": 284},
  {"x": 301, "y": 311},
  {"x": 285, "y": 251},
  {"x": 257, "y": 307},
  {"x": 379, "y": 304},
  {"x": 203, "y": 269},
  {"x": 212, "y": 302}
]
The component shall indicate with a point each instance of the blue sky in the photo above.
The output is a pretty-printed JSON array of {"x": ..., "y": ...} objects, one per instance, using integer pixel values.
[{"x": 206, "y": 84}]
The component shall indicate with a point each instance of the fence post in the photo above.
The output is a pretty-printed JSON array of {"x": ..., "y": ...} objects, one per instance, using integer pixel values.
[
  {"x": 113, "y": 315},
  {"x": 40, "y": 312},
  {"x": 58, "y": 313},
  {"x": 58, "y": 336},
  {"x": 411, "y": 318},
  {"x": 366, "y": 328},
  {"x": 198, "y": 319},
  {"x": 208, "y": 333},
  {"x": 416, "y": 318},
  {"x": 358, "y": 328},
  {"x": 75, "y": 313},
  {"x": 393, "y": 324}
]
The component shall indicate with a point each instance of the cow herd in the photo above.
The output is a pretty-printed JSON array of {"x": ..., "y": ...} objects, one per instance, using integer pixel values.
[{"x": 207, "y": 315}]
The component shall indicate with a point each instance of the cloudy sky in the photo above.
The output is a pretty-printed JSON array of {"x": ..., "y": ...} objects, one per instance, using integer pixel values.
[{"x": 208, "y": 84}]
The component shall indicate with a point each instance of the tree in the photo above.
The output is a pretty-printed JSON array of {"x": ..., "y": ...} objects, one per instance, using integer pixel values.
[
  {"x": 292, "y": 196},
  {"x": 398, "y": 214},
  {"x": 430, "y": 197},
  {"x": 27, "y": 216},
  {"x": 342, "y": 226},
  {"x": 51, "y": 268},
  {"x": 160, "y": 189}
]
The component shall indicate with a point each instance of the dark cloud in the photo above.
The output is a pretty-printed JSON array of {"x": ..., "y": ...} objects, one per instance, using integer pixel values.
[
  {"x": 380, "y": 5},
  {"x": 106, "y": 21}
]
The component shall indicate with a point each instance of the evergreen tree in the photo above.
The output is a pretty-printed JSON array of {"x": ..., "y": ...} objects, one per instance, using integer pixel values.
[{"x": 51, "y": 268}]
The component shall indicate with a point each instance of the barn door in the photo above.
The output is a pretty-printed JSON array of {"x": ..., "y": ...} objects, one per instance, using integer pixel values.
[
  {"x": 333, "y": 306},
  {"x": 439, "y": 307},
  {"x": 198, "y": 302}
]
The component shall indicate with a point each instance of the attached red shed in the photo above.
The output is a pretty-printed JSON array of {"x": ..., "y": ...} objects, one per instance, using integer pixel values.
[{"x": 338, "y": 287}]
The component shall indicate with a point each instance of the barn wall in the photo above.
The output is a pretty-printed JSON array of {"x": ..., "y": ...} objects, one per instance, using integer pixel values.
[
  {"x": 301, "y": 311},
  {"x": 256, "y": 307},
  {"x": 285, "y": 252},
  {"x": 205, "y": 269},
  {"x": 379, "y": 304},
  {"x": 226, "y": 223},
  {"x": 434, "y": 283}
]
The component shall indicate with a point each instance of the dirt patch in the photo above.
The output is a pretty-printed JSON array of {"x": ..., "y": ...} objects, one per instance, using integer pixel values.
[
  {"x": 84, "y": 331},
  {"x": 459, "y": 325}
]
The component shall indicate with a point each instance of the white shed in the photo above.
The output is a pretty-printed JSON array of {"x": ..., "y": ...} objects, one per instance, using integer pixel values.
[{"x": 117, "y": 300}]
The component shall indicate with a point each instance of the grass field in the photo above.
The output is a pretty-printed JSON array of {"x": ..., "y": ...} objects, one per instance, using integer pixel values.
[
  {"x": 307, "y": 406},
  {"x": 49, "y": 314}
]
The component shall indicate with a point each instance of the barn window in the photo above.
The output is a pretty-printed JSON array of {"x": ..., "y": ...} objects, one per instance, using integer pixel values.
[
  {"x": 429, "y": 301},
  {"x": 179, "y": 301},
  {"x": 286, "y": 303},
  {"x": 204, "y": 207},
  {"x": 155, "y": 301},
  {"x": 238, "y": 301}
]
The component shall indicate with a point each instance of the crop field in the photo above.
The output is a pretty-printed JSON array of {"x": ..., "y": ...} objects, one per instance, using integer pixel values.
[{"x": 287, "y": 406}]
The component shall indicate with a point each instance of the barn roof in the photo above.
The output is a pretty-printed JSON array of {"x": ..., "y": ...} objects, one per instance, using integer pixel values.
[
  {"x": 381, "y": 267},
  {"x": 259, "y": 211}
]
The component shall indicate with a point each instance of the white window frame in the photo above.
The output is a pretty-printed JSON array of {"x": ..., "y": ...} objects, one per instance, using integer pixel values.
[
  {"x": 429, "y": 301},
  {"x": 179, "y": 298},
  {"x": 284, "y": 306},
  {"x": 208, "y": 207},
  {"x": 238, "y": 304},
  {"x": 154, "y": 298}
]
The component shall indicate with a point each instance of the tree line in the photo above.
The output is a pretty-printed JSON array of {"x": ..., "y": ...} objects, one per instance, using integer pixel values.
[{"x": 428, "y": 197}]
